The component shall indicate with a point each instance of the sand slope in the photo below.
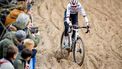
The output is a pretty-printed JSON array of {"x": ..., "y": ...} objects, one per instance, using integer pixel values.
[{"x": 103, "y": 45}]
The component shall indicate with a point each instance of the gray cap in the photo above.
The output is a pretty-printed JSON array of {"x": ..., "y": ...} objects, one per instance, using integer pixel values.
[
  {"x": 20, "y": 35},
  {"x": 22, "y": 21}
]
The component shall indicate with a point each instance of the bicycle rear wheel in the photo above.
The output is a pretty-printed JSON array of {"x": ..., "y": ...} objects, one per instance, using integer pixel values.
[{"x": 78, "y": 51}]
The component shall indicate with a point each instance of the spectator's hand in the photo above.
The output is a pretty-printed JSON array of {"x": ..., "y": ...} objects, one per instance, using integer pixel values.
[
  {"x": 30, "y": 25},
  {"x": 12, "y": 28},
  {"x": 38, "y": 34}
]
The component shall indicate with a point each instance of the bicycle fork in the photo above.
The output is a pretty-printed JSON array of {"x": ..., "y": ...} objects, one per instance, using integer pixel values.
[
  {"x": 73, "y": 39},
  {"x": 74, "y": 42},
  {"x": 70, "y": 42}
]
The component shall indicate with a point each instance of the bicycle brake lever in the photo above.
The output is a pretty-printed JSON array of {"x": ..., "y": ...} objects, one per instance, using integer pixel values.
[{"x": 87, "y": 29}]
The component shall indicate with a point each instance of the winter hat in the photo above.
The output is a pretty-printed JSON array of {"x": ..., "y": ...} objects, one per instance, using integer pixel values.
[
  {"x": 20, "y": 35},
  {"x": 22, "y": 21}
]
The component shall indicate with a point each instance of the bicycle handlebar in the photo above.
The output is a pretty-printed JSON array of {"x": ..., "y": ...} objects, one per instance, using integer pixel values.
[{"x": 78, "y": 27}]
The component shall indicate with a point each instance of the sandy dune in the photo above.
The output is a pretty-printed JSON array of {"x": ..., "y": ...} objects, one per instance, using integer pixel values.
[{"x": 103, "y": 45}]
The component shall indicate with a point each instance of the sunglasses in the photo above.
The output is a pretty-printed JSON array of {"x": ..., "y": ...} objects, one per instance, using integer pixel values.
[{"x": 73, "y": 6}]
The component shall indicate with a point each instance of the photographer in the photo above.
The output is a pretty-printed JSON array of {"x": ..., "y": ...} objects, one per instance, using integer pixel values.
[{"x": 22, "y": 23}]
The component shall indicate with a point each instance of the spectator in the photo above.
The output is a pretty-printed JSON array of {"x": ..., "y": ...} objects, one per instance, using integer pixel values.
[
  {"x": 4, "y": 44},
  {"x": 26, "y": 55},
  {"x": 28, "y": 43},
  {"x": 7, "y": 62},
  {"x": 15, "y": 37}
]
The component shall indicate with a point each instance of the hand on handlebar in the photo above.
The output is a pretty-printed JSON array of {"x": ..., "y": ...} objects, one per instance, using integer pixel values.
[
  {"x": 70, "y": 24},
  {"x": 87, "y": 27}
]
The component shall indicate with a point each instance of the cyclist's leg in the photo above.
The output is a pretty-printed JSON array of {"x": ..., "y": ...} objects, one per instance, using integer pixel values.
[
  {"x": 66, "y": 24},
  {"x": 66, "y": 30},
  {"x": 74, "y": 20}
]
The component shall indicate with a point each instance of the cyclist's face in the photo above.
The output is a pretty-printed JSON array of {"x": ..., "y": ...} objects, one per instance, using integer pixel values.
[{"x": 74, "y": 7}]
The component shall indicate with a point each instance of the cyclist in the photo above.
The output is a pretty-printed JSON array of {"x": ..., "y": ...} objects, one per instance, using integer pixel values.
[{"x": 71, "y": 17}]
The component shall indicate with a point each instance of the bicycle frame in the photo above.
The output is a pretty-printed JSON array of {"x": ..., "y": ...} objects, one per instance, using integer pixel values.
[
  {"x": 71, "y": 29},
  {"x": 76, "y": 34}
]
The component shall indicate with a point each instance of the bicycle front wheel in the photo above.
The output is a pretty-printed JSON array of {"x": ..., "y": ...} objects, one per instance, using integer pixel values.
[
  {"x": 63, "y": 44},
  {"x": 78, "y": 51}
]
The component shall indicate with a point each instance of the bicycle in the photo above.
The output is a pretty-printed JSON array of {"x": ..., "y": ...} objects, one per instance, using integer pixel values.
[{"x": 76, "y": 44}]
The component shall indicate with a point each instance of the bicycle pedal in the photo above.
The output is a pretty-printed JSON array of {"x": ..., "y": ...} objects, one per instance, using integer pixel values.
[
  {"x": 68, "y": 49},
  {"x": 79, "y": 50}
]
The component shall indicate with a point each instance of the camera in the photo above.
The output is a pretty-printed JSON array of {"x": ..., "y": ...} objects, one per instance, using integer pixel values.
[{"x": 34, "y": 29}]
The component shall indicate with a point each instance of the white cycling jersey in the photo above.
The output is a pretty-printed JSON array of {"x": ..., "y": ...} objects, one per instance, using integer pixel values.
[
  {"x": 28, "y": 1},
  {"x": 79, "y": 9}
]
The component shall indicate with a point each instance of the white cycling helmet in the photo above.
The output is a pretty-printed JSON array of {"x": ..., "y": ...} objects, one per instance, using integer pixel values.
[{"x": 74, "y": 2}]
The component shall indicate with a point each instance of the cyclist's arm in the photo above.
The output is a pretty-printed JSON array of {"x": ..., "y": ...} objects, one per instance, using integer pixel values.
[
  {"x": 83, "y": 13},
  {"x": 68, "y": 14}
]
